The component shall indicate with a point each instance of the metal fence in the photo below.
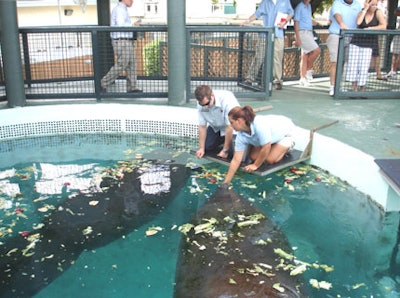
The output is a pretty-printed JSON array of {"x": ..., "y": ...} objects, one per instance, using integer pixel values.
[
  {"x": 221, "y": 57},
  {"x": 358, "y": 51},
  {"x": 69, "y": 62}
]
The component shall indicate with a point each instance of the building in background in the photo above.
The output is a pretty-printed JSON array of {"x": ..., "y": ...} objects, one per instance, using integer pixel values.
[{"x": 71, "y": 12}]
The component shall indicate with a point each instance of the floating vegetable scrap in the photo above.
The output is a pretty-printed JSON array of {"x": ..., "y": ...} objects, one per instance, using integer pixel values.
[
  {"x": 221, "y": 253},
  {"x": 222, "y": 234},
  {"x": 33, "y": 254},
  {"x": 153, "y": 230}
]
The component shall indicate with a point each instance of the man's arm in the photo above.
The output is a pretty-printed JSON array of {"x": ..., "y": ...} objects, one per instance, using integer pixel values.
[
  {"x": 297, "y": 34},
  {"x": 249, "y": 20},
  {"x": 338, "y": 18},
  {"x": 202, "y": 141}
]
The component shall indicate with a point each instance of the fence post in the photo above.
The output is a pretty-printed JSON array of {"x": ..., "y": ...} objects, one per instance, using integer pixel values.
[
  {"x": 10, "y": 46},
  {"x": 176, "y": 52}
]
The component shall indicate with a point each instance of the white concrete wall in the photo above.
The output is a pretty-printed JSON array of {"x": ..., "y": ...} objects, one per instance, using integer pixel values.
[
  {"x": 246, "y": 8},
  {"x": 196, "y": 8},
  {"x": 46, "y": 12},
  {"x": 50, "y": 16}
]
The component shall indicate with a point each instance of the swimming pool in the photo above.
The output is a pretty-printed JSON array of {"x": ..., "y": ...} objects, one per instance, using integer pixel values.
[
  {"x": 346, "y": 162},
  {"x": 359, "y": 246},
  {"x": 315, "y": 209}
]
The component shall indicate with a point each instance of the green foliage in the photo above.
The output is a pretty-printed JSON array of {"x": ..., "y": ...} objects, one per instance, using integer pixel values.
[
  {"x": 320, "y": 5},
  {"x": 151, "y": 56}
]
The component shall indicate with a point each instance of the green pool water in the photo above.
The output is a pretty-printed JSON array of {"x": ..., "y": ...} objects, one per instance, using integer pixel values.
[{"x": 325, "y": 219}]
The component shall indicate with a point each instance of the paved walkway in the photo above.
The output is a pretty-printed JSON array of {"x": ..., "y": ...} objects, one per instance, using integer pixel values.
[{"x": 371, "y": 125}]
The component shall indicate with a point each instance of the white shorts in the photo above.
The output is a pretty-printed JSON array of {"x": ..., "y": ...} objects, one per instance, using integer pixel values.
[
  {"x": 287, "y": 142},
  {"x": 308, "y": 43}
]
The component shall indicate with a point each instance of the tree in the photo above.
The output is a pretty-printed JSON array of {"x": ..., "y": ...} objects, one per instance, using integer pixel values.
[{"x": 318, "y": 6}]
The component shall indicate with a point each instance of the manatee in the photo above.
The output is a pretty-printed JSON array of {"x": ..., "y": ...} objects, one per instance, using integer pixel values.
[
  {"x": 132, "y": 198},
  {"x": 229, "y": 249}
]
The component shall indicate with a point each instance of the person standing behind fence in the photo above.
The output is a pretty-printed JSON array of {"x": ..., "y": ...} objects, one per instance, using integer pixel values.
[
  {"x": 362, "y": 45},
  {"x": 376, "y": 58},
  {"x": 276, "y": 14},
  {"x": 122, "y": 43},
  {"x": 303, "y": 28},
  {"x": 395, "y": 50},
  {"x": 214, "y": 127},
  {"x": 343, "y": 15}
]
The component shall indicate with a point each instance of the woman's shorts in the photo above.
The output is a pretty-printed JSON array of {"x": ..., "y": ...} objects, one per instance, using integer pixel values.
[{"x": 287, "y": 141}]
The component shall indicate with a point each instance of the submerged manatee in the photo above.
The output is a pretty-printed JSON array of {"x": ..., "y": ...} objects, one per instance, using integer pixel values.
[
  {"x": 85, "y": 222},
  {"x": 229, "y": 249}
]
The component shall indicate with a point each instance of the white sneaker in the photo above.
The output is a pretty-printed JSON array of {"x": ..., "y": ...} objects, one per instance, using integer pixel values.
[
  {"x": 391, "y": 74},
  {"x": 332, "y": 90},
  {"x": 309, "y": 75},
  {"x": 304, "y": 82}
]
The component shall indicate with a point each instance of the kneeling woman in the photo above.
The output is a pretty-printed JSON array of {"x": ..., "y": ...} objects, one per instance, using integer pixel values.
[{"x": 270, "y": 137}]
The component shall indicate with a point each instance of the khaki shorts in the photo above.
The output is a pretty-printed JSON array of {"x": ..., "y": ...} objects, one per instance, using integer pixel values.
[
  {"x": 333, "y": 46},
  {"x": 332, "y": 43},
  {"x": 308, "y": 43},
  {"x": 395, "y": 45}
]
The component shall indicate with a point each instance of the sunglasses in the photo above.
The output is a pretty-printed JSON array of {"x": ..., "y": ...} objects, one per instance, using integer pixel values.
[{"x": 206, "y": 104}]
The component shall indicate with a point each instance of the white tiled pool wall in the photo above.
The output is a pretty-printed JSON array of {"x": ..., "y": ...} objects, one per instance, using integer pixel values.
[
  {"x": 41, "y": 121},
  {"x": 43, "y": 128},
  {"x": 348, "y": 163}
]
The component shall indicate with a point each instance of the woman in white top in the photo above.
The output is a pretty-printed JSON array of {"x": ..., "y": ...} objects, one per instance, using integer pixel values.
[{"x": 270, "y": 137}]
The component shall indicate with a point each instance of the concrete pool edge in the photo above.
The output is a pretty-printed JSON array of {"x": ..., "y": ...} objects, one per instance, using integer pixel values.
[{"x": 339, "y": 159}]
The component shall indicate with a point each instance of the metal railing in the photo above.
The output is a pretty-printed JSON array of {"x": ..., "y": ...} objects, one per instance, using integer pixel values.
[
  {"x": 353, "y": 81},
  {"x": 69, "y": 62},
  {"x": 221, "y": 56}
]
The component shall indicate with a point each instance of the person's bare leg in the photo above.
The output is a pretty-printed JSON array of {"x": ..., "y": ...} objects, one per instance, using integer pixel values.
[
  {"x": 312, "y": 56},
  {"x": 276, "y": 154},
  {"x": 304, "y": 65},
  {"x": 377, "y": 66},
  {"x": 332, "y": 73},
  {"x": 396, "y": 62}
]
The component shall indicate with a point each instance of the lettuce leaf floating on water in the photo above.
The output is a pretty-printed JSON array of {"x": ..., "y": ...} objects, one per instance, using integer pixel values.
[
  {"x": 88, "y": 230},
  {"x": 299, "y": 269},
  {"x": 283, "y": 254},
  {"x": 185, "y": 228},
  {"x": 278, "y": 287},
  {"x": 207, "y": 227},
  {"x": 250, "y": 220},
  {"x": 153, "y": 230},
  {"x": 320, "y": 284}
]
